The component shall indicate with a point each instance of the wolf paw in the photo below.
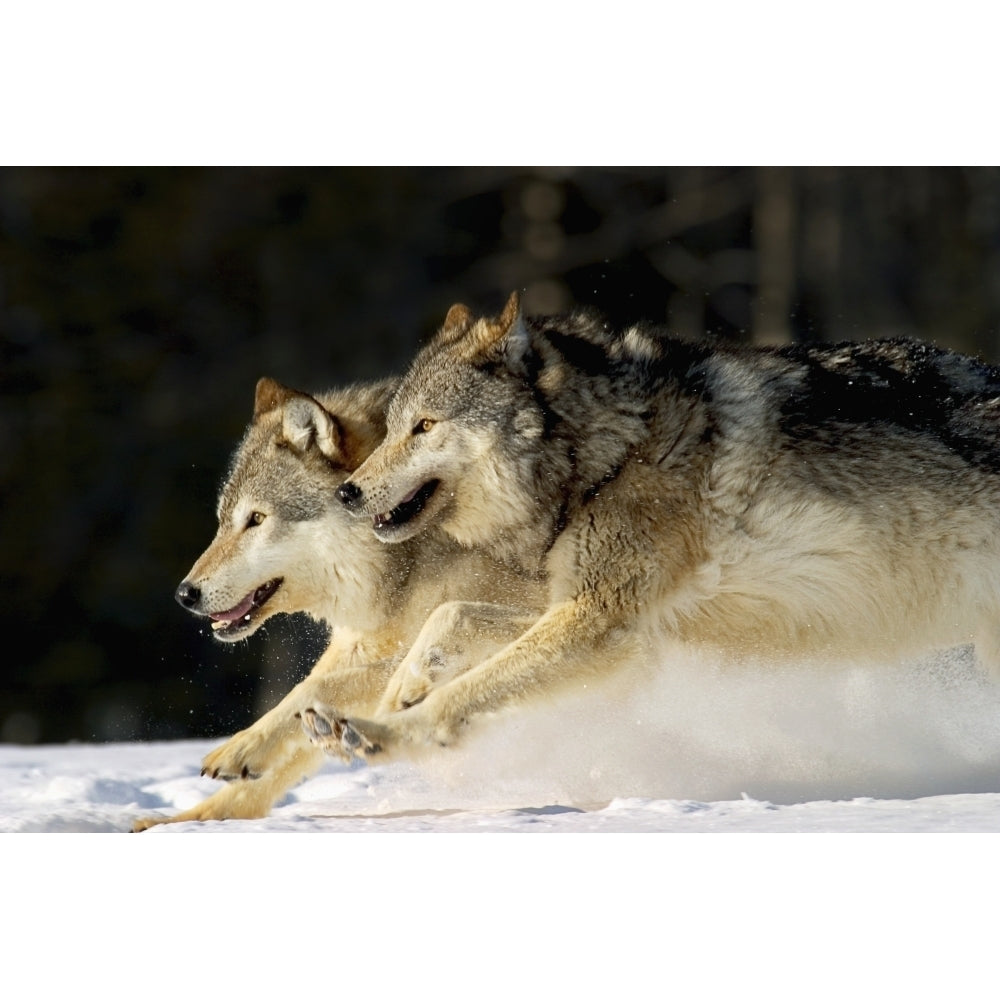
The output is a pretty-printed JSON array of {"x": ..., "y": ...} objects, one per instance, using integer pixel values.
[
  {"x": 346, "y": 738},
  {"x": 359, "y": 738},
  {"x": 325, "y": 731},
  {"x": 423, "y": 670},
  {"x": 408, "y": 686},
  {"x": 245, "y": 755},
  {"x": 230, "y": 761},
  {"x": 409, "y": 734},
  {"x": 147, "y": 821}
]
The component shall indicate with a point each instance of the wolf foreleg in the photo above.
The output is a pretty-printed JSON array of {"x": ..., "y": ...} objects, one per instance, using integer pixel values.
[
  {"x": 457, "y": 636},
  {"x": 246, "y": 799},
  {"x": 572, "y": 641},
  {"x": 278, "y": 734}
]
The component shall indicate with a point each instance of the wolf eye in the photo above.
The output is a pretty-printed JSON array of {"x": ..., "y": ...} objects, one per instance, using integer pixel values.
[
  {"x": 255, "y": 518},
  {"x": 423, "y": 426}
]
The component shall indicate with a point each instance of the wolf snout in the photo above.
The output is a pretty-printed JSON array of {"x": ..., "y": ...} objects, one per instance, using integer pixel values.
[
  {"x": 187, "y": 595},
  {"x": 350, "y": 495}
]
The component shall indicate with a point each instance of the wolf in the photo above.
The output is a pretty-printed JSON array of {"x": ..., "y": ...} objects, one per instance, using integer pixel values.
[
  {"x": 285, "y": 544},
  {"x": 770, "y": 504}
]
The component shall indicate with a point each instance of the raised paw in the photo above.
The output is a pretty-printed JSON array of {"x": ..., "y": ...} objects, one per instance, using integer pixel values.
[
  {"x": 357, "y": 739},
  {"x": 402, "y": 735},
  {"x": 343, "y": 738},
  {"x": 325, "y": 731}
]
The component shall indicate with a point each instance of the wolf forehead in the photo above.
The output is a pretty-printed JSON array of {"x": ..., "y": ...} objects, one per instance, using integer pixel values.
[
  {"x": 436, "y": 387},
  {"x": 263, "y": 472},
  {"x": 453, "y": 374}
]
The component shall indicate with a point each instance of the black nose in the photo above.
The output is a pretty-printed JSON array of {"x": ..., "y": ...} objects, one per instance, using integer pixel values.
[
  {"x": 350, "y": 495},
  {"x": 188, "y": 595}
]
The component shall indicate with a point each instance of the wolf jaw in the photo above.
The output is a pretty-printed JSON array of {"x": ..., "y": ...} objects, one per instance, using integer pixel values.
[
  {"x": 243, "y": 618},
  {"x": 400, "y": 521}
]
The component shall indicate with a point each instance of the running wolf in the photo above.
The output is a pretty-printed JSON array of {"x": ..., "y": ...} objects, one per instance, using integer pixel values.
[
  {"x": 808, "y": 501},
  {"x": 286, "y": 544}
]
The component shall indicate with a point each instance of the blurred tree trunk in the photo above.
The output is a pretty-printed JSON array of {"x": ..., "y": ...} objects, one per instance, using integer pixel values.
[{"x": 774, "y": 240}]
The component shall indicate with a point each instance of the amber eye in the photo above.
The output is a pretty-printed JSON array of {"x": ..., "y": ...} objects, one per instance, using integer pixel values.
[
  {"x": 255, "y": 518},
  {"x": 423, "y": 426}
]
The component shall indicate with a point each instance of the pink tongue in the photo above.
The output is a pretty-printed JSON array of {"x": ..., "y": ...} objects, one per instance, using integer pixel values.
[
  {"x": 232, "y": 614},
  {"x": 409, "y": 496}
]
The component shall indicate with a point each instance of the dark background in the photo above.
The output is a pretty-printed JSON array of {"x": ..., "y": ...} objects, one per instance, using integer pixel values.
[{"x": 138, "y": 307}]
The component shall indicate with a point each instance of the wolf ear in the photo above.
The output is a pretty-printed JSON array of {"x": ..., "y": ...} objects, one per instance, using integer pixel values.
[
  {"x": 269, "y": 395},
  {"x": 303, "y": 419},
  {"x": 509, "y": 330},
  {"x": 506, "y": 334},
  {"x": 304, "y": 422},
  {"x": 458, "y": 320}
]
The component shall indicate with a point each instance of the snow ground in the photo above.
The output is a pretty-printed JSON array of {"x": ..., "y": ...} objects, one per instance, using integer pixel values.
[
  {"x": 857, "y": 749},
  {"x": 95, "y": 789},
  {"x": 845, "y": 754}
]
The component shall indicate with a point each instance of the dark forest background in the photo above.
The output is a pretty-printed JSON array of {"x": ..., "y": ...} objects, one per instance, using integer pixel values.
[{"x": 139, "y": 306}]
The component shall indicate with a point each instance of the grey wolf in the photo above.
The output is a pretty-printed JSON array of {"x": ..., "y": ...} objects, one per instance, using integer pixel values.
[
  {"x": 809, "y": 501},
  {"x": 285, "y": 543}
]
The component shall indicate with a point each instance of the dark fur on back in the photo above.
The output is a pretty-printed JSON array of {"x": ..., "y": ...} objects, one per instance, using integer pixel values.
[
  {"x": 912, "y": 386},
  {"x": 822, "y": 389}
]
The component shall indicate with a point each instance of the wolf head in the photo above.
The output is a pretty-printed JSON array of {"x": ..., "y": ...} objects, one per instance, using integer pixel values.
[
  {"x": 461, "y": 437},
  {"x": 284, "y": 543}
]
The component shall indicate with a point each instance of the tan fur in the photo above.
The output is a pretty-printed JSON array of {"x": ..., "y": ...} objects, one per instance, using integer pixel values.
[
  {"x": 457, "y": 321},
  {"x": 279, "y": 518},
  {"x": 811, "y": 502}
]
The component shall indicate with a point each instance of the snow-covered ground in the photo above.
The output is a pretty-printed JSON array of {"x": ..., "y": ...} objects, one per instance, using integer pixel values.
[
  {"x": 850, "y": 752},
  {"x": 695, "y": 749},
  {"x": 94, "y": 789}
]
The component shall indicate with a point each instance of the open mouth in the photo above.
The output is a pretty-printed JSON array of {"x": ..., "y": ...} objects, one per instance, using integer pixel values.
[
  {"x": 409, "y": 508},
  {"x": 238, "y": 619}
]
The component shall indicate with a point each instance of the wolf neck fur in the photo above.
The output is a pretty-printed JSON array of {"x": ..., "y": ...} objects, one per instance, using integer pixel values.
[{"x": 592, "y": 432}]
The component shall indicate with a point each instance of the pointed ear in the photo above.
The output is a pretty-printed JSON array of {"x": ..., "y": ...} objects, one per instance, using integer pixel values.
[
  {"x": 508, "y": 332},
  {"x": 305, "y": 422},
  {"x": 458, "y": 320},
  {"x": 503, "y": 337},
  {"x": 269, "y": 395},
  {"x": 511, "y": 312}
]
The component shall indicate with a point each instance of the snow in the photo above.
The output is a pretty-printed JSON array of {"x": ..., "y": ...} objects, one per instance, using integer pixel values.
[
  {"x": 860, "y": 757},
  {"x": 696, "y": 749},
  {"x": 95, "y": 789}
]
